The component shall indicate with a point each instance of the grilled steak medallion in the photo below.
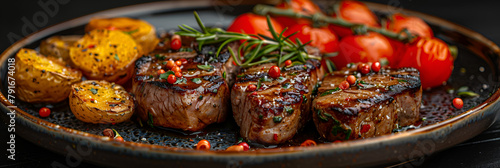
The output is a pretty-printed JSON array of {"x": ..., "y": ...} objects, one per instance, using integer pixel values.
[
  {"x": 199, "y": 98},
  {"x": 279, "y": 107},
  {"x": 374, "y": 106}
]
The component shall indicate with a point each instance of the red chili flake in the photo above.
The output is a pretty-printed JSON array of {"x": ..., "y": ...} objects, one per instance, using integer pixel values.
[
  {"x": 253, "y": 94},
  {"x": 275, "y": 137},
  {"x": 111, "y": 28},
  {"x": 337, "y": 141},
  {"x": 234, "y": 63},
  {"x": 113, "y": 123},
  {"x": 184, "y": 61},
  {"x": 365, "y": 128},
  {"x": 112, "y": 119},
  {"x": 92, "y": 100},
  {"x": 348, "y": 99},
  {"x": 91, "y": 46}
]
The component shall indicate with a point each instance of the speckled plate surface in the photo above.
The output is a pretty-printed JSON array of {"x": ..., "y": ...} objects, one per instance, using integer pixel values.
[{"x": 477, "y": 68}]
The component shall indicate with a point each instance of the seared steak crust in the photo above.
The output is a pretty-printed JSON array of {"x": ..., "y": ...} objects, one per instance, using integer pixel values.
[
  {"x": 375, "y": 105},
  {"x": 199, "y": 98},
  {"x": 274, "y": 112}
]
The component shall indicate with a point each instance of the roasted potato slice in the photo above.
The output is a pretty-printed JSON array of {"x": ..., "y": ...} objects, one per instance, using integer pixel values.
[
  {"x": 100, "y": 102},
  {"x": 58, "y": 46},
  {"x": 142, "y": 32},
  {"x": 42, "y": 79},
  {"x": 105, "y": 55}
]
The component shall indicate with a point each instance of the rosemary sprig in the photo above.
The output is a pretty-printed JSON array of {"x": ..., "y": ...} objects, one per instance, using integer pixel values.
[{"x": 256, "y": 49}]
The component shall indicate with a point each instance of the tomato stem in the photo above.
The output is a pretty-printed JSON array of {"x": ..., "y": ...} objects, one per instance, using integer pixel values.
[{"x": 403, "y": 35}]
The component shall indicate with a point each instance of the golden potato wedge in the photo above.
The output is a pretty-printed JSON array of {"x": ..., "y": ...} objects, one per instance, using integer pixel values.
[
  {"x": 100, "y": 102},
  {"x": 142, "y": 32},
  {"x": 58, "y": 46},
  {"x": 105, "y": 55},
  {"x": 42, "y": 79}
]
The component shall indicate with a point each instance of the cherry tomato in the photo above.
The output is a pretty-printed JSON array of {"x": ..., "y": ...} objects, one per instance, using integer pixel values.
[
  {"x": 308, "y": 143},
  {"x": 376, "y": 66},
  {"x": 354, "y": 12},
  {"x": 176, "y": 69},
  {"x": 175, "y": 44},
  {"x": 288, "y": 62},
  {"x": 431, "y": 57},
  {"x": 365, "y": 69},
  {"x": 365, "y": 128},
  {"x": 170, "y": 64},
  {"x": 322, "y": 38},
  {"x": 203, "y": 145},
  {"x": 458, "y": 103},
  {"x": 251, "y": 88},
  {"x": 304, "y": 7},
  {"x": 161, "y": 71},
  {"x": 344, "y": 85},
  {"x": 274, "y": 71},
  {"x": 171, "y": 79},
  {"x": 44, "y": 112},
  {"x": 415, "y": 25},
  {"x": 246, "y": 147},
  {"x": 119, "y": 138},
  {"x": 178, "y": 63},
  {"x": 250, "y": 23},
  {"x": 351, "y": 79},
  {"x": 178, "y": 74},
  {"x": 363, "y": 48}
]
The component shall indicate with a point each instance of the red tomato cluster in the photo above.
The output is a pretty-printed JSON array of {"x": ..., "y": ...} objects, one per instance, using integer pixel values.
[{"x": 424, "y": 53}]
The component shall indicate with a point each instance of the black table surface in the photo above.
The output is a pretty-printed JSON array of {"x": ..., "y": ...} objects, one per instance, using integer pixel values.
[{"x": 480, "y": 15}]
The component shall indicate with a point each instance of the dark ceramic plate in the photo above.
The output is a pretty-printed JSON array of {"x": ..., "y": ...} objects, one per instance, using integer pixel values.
[{"x": 443, "y": 127}]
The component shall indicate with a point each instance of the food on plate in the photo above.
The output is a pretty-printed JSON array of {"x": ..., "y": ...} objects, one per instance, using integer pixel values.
[
  {"x": 271, "y": 110},
  {"x": 304, "y": 7},
  {"x": 141, "y": 31},
  {"x": 100, "y": 102},
  {"x": 432, "y": 57},
  {"x": 41, "y": 79},
  {"x": 105, "y": 55},
  {"x": 190, "y": 101},
  {"x": 322, "y": 37},
  {"x": 353, "y": 12},
  {"x": 370, "y": 47},
  {"x": 375, "y": 105},
  {"x": 58, "y": 46},
  {"x": 397, "y": 22},
  {"x": 250, "y": 23}
]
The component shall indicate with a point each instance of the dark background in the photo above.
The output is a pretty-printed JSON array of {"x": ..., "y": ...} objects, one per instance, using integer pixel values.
[{"x": 481, "y": 16}]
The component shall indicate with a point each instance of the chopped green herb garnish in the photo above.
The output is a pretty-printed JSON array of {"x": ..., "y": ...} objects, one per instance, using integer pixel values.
[
  {"x": 94, "y": 91},
  {"x": 330, "y": 91},
  {"x": 261, "y": 116},
  {"x": 200, "y": 98},
  {"x": 166, "y": 74},
  {"x": 160, "y": 57},
  {"x": 224, "y": 74},
  {"x": 402, "y": 80},
  {"x": 206, "y": 67},
  {"x": 180, "y": 80},
  {"x": 150, "y": 120},
  {"x": 150, "y": 76},
  {"x": 286, "y": 85},
  {"x": 293, "y": 74},
  {"x": 240, "y": 76},
  {"x": 467, "y": 94},
  {"x": 318, "y": 112},
  {"x": 196, "y": 80},
  {"x": 280, "y": 78},
  {"x": 131, "y": 32},
  {"x": 277, "y": 119},
  {"x": 214, "y": 91},
  {"x": 116, "y": 57},
  {"x": 288, "y": 109}
]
